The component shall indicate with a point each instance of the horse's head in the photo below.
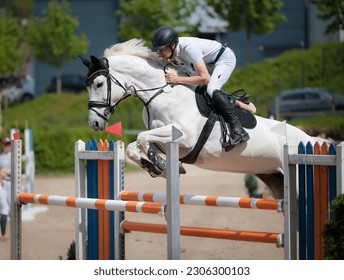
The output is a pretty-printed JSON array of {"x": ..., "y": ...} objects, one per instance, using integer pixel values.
[
  {"x": 128, "y": 68},
  {"x": 102, "y": 99}
]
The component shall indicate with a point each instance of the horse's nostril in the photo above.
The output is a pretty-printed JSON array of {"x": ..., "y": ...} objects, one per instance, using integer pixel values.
[{"x": 96, "y": 124}]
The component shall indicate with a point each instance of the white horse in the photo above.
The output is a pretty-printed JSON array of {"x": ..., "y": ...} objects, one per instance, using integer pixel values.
[{"x": 130, "y": 68}]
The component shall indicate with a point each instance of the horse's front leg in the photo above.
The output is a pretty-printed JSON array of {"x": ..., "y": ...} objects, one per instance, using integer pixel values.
[
  {"x": 161, "y": 135},
  {"x": 134, "y": 153}
]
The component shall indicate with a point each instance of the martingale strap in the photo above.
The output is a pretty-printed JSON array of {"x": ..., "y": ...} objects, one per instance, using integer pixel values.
[{"x": 202, "y": 139}]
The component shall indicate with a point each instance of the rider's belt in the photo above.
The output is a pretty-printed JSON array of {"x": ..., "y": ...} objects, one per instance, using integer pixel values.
[{"x": 223, "y": 48}]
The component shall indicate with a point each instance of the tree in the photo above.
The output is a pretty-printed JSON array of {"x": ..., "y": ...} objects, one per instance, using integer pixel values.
[
  {"x": 254, "y": 16},
  {"x": 53, "y": 38},
  {"x": 333, "y": 235},
  {"x": 333, "y": 11},
  {"x": 10, "y": 41},
  {"x": 140, "y": 18}
]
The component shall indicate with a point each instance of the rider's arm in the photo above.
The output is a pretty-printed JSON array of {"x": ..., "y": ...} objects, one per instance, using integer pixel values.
[{"x": 202, "y": 77}]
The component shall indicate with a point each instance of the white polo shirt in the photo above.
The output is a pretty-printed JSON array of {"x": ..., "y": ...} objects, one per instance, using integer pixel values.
[{"x": 193, "y": 50}]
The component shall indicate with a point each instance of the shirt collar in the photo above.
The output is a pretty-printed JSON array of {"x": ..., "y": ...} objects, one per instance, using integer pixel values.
[{"x": 176, "y": 57}]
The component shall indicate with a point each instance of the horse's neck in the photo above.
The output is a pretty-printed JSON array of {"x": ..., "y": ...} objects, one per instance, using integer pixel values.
[{"x": 140, "y": 74}]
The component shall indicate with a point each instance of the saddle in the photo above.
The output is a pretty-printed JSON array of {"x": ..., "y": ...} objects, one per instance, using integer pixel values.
[
  {"x": 206, "y": 106},
  {"x": 208, "y": 109}
]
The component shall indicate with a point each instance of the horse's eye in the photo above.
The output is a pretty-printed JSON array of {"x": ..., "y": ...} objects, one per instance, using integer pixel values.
[{"x": 99, "y": 85}]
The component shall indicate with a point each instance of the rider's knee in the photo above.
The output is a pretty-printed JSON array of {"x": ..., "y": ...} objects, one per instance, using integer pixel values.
[{"x": 211, "y": 89}]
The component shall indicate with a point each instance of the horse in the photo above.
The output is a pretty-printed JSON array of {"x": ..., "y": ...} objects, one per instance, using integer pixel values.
[{"x": 132, "y": 69}]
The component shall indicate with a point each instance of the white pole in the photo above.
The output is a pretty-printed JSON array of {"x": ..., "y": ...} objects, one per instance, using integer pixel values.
[
  {"x": 290, "y": 205},
  {"x": 29, "y": 160},
  {"x": 16, "y": 152},
  {"x": 172, "y": 191},
  {"x": 80, "y": 191},
  {"x": 340, "y": 168},
  {"x": 119, "y": 240}
]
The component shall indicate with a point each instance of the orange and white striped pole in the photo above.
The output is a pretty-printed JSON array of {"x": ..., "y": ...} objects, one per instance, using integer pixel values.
[
  {"x": 93, "y": 203},
  {"x": 220, "y": 201}
]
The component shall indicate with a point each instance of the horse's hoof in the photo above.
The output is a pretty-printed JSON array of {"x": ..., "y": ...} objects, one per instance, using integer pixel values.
[
  {"x": 153, "y": 175},
  {"x": 229, "y": 148},
  {"x": 182, "y": 169}
]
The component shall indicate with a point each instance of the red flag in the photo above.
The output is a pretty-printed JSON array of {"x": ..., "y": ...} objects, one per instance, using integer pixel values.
[
  {"x": 115, "y": 129},
  {"x": 16, "y": 135}
]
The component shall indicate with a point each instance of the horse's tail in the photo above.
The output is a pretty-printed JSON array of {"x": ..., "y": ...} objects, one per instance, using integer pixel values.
[{"x": 280, "y": 128}]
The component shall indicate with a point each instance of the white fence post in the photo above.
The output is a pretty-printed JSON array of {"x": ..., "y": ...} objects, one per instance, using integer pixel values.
[
  {"x": 80, "y": 191},
  {"x": 16, "y": 154},
  {"x": 172, "y": 199},
  {"x": 340, "y": 167},
  {"x": 290, "y": 205},
  {"x": 119, "y": 242}
]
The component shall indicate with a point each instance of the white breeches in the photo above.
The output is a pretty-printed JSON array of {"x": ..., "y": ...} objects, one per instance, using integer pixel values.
[{"x": 221, "y": 71}]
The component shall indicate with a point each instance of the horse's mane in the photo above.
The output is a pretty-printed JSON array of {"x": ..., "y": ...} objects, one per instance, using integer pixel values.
[{"x": 135, "y": 47}]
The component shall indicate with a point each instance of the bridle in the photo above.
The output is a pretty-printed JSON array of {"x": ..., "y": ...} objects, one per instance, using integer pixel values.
[{"x": 110, "y": 108}]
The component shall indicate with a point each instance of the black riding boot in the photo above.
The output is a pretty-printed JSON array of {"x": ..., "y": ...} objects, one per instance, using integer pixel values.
[{"x": 226, "y": 105}]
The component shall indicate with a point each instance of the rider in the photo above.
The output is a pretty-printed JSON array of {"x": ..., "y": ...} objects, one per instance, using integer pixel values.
[{"x": 204, "y": 57}]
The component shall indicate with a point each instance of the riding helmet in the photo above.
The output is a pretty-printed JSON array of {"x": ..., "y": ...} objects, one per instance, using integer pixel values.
[{"x": 164, "y": 36}]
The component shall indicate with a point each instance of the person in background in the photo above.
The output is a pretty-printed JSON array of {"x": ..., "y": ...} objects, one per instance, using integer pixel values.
[
  {"x": 4, "y": 210},
  {"x": 5, "y": 186},
  {"x": 213, "y": 64}
]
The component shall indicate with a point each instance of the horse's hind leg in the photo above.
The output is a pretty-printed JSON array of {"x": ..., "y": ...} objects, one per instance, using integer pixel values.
[{"x": 274, "y": 182}]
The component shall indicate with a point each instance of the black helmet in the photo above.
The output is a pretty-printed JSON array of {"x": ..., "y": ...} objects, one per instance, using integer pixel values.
[{"x": 164, "y": 36}]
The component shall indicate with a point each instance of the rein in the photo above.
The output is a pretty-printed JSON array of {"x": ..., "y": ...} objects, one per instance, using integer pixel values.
[{"x": 109, "y": 108}]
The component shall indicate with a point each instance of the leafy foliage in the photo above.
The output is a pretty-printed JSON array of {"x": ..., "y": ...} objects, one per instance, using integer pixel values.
[
  {"x": 251, "y": 185},
  {"x": 333, "y": 235},
  {"x": 11, "y": 35},
  {"x": 333, "y": 12},
  {"x": 52, "y": 37},
  {"x": 140, "y": 18},
  {"x": 255, "y": 17}
]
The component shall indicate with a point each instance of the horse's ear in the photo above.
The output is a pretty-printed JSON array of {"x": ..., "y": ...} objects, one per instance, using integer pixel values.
[
  {"x": 94, "y": 60},
  {"x": 85, "y": 61}
]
